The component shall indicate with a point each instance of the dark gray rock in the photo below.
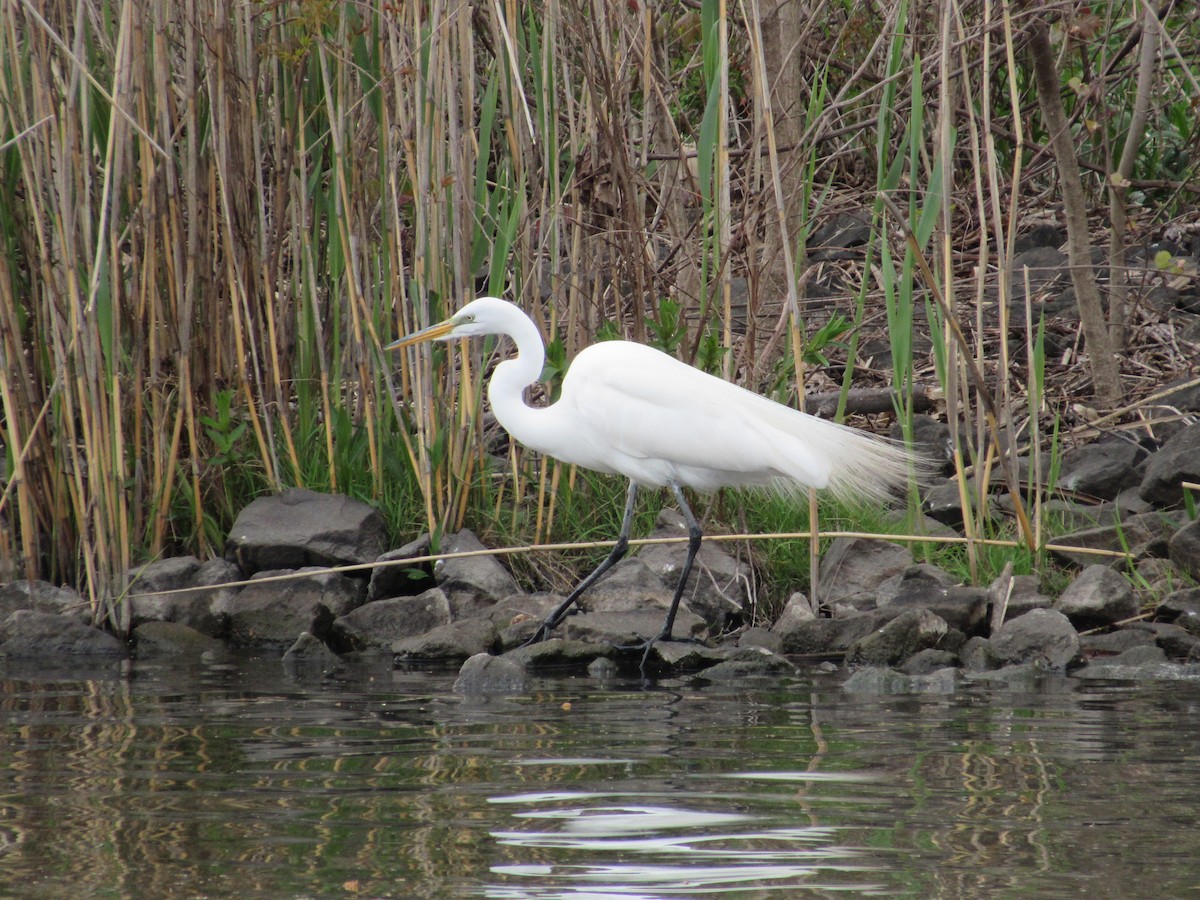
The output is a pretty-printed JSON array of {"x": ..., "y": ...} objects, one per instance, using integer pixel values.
[
  {"x": 176, "y": 640},
  {"x": 602, "y": 668},
  {"x": 1099, "y": 596},
  {"x": 962, "y": 608},
  {"x": 309, "y": 655},
  {"x": 928, "y": 661},
  {"x": 483, "y": 674},
  {"x": 681, "y": 656},
  {"x": 274, "y": 613},
  {"x": 629, "y": 626},
  {"x": 1175, "y": 641},
  {"x": 43, "y": 596},
  {"x": 399, "y": 580},
  {"x": 1019, "y": 594},
  {"x": 1184, "y": 549},
  {"x": 474, "y": 582},
  {"x": 881, "y": 681},
  {"x": 760, "y": 637},
  {"x": 795, "y": 611},
  {"x": 1102, "y": 469},
  {"x": 716, "y": 586},
  {"x": 55, "y": 639},
  {"x": 382, "y": 623},
  {"x": 557, "y": 653},
  {"x": 1114, "y": 642},
  {"x": 516, "y": 618},
  {"x": 919, "y": 578},
  {"x": 1151, "y": 654},
  {"x": 854, "y": 568},
  {"x": 747, "y": 663},
  {"x": 829, "y": 636},
  {"x": 193, "y": 600},
  {"x": 300, "y": 528},
  {"x": 455, "y": 641},
  {"x": 1177, "y": 461},
  {"x": 931, "y": 441},
  {"x": 629, "y": 585},
  {"x": 1182, "y": 608},
  {"x": 908, "y": 633},
  {"x": 1042, "y": 635},
  {"x": 1141, "y": 535},
  {"x": 978, "y": 655}
]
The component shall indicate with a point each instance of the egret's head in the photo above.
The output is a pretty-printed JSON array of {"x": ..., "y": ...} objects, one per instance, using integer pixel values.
[{"x": 487, "y": 315}]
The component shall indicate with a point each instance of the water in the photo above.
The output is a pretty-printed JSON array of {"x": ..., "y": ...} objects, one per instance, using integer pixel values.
[{"x": 238, "y": 781}]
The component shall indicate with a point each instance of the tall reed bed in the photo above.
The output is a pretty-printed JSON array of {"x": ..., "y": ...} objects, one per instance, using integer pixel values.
[{"x": 212, "y": 214}]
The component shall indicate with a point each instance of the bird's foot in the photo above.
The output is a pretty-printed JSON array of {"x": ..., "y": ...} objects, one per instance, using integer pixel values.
[
  {"x": 542, "y": 633},
  {"x": 647, "y": 645}
]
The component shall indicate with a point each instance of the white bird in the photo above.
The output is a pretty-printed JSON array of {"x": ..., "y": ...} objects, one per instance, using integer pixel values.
[{"x": 631, "y": 410}]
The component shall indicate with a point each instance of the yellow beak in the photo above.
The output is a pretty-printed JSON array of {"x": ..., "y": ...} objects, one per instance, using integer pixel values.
[{"x": 432, "y": 333}]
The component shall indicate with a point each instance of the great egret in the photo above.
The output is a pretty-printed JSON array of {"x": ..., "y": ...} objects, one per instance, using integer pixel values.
[{"x": 631, "y": 410}]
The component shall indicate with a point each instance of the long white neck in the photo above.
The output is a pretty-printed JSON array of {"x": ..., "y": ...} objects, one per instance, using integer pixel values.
[{"x": 506, "y": 390}]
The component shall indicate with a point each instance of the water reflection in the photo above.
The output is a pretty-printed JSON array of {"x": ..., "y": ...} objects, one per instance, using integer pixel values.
[{"x": 238, "y": 781}]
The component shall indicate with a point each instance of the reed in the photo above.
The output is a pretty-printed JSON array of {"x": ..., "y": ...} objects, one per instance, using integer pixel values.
[{"x": 212, "y": 215}]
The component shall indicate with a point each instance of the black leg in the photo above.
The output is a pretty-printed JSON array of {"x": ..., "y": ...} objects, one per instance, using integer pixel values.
[
  {"x": 694, "y": 537},
  {"x": 612, "y": 559}
]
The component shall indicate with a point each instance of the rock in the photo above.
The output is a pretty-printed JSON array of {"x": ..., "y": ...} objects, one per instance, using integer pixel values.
[
  {"x": 928, "y": 661},
  {"x": 748, "y": 662},
  {"x": 1175, "y": 641},
  {"x": 455, "y": 641},
  {"x": 1184, "y": 549},
  {"x": 1158, "y": 577},
  {"x": 679, "y": 656},
  {"x": 1098, "y": 596},
  {"x": 174, "y": 639},
  {"x": 629, "y": 585},
  {"x": 931, "y": 440},
  {"x": 943, "y": 503},
  {"x": 1177, "y": 461},
  {"x": 760, "y": 637},
  {"x": 42, "y": 596},
  {"x": 830, "y": 636},
  {"x": 796, "y": 610},
  {"x": 716, "y": 586},
  {"x": 300, "y": 528},
  {"x": 854, "y": 568},
  {"x": 908, "y": 633},
  {"x": 274, "y": 613},
  {"x": 1141, "y": 535},
  {"x": 963, "y": 608},
  {"x": 402, "y": 581},
  {"x": 1025, "y": 594},
  {"x": 920, "y": 578},
  {"x": 1101, "y": 469},
  {"x": 978, "y": 655},
  {"x": 880, "y": 681},
  {"x": 473, "y": 582},
  {"x": 1114, "y": 642},
  {"x": 1182, "y": 608},
  {"x": 1150, "y": 654},
  {"x": 516, "y": 618},
  {"x": 557, "y": 653},
  {"x": 602, "y": 668},
  {"x": 55, "y": 639},
  {"x": 629, "y": 627},
  {"x": 200, "y": 609},
  {"x": 483, "y": 674},
  {"x": 1044, "y": 635},
  {"x": 382, "y": 623},
  {"x": 310, "y": 655}
]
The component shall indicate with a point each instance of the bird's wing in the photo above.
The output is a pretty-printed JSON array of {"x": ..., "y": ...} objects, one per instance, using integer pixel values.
[{"x": 647, "y": 405}]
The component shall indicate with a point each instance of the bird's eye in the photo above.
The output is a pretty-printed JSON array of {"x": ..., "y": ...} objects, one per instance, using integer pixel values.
[{"x": 465, "y": 318}]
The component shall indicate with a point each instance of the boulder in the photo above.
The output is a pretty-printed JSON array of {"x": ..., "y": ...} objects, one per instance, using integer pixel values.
[
  {"x": 471, "y": 582},
  {"x": 175, "y": 640},
  {"x": 402, "y": 581},
  {"x": 628, "y": 585},
  {"x": 380, "y": 624},
  {"x": 1184, "y": 549},
  {"x": 299, "y": 528},
  {"x": 1177, "y": 461},
  {"x": 905, "y": 635},
  {"x": 854, "y": 568},
  {"x": 43, "y": 596},
  {"x": 309, "y": 655},
  {"x": 1141, "y": 535},
  {"x": 748, "y": 662},
  {"x": 1101, "y": 469},
  {"x": 483, "y": 674},
  {"x": 200, "y": 608},
  {"x": 456, "y": 641},
  {"x": 1041, "y": 635},
  {"x": 274, "y": 613},
  {"x": 1099, "y": 596},
  {"x": 1182, "y": 608},
  {"x": 628, "y": 627},
  {"x": 55, "y": 639}
]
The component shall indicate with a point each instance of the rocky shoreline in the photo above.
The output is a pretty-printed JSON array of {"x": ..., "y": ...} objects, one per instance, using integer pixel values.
[{"x": 899, "y": 624}]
